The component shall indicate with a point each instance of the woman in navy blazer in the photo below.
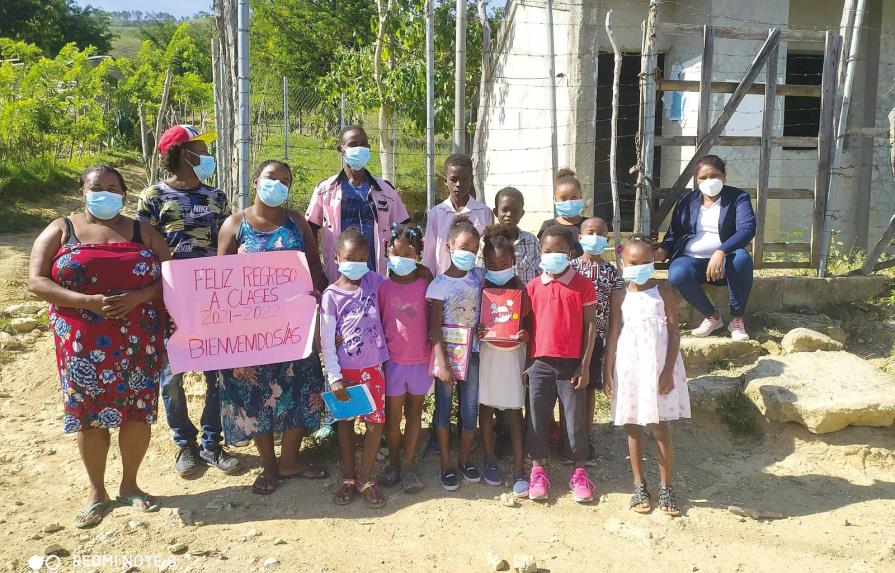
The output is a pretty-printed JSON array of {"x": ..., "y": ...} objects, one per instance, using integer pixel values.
[{"x": 706, "y": 243}]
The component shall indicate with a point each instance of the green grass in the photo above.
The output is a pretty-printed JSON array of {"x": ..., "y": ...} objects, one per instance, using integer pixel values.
[
  {"x": 127, "y": 41},
  {"x": 30, "y": 189},
  {"x": 738, "y": 413}
]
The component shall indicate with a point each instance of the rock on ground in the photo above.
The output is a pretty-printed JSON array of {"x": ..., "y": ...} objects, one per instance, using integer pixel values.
[
  {"x": 705, "y": 390},
  {"x": 525, "y": 564},
  {"x": 495, "y": 562},
  {"x": 9, "y": 342},
  {"x": 24, "y": 308},
  {"x": 807, "y": 340},
  {"x": 23, "y": 324},
  {"x": 786, "y": 321},
  {"x": 700, "y": 354},
  {"x": 823, "y": 391}
]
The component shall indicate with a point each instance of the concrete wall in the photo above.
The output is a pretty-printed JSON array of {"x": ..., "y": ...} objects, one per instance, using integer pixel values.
[{"x": 514, "y": 142}]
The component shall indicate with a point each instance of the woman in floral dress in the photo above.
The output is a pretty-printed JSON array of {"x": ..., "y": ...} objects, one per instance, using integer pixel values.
[
  {"x": 260, "y": 400},
  {"x": 99, "y": 271}
]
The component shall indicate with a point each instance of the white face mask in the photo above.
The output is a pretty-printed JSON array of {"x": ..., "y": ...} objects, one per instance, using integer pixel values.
[{"x": 711, "y": 187}]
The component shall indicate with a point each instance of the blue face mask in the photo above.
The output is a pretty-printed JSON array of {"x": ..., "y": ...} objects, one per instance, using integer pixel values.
[
  {"x": 463, "y": 260},
  {"x": 638, "y": 274},
  {"x": 205, "y": 169},
  {"x": 357, "y": 157},
  {"x": 500, "y": 277},
  {"x": 104, "y": 204},
  {"x": 401, "y": 266},
  {"x": 554, "y": 263},
  {"x": 354, "y": 270},
  {"x": 570, "y": 208},
  {"x": 272, "y": 192},
  {"x": 593, "y": 244}
]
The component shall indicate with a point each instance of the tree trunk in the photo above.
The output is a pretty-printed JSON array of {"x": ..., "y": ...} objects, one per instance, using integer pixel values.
[{"x": 386, "y": 152}]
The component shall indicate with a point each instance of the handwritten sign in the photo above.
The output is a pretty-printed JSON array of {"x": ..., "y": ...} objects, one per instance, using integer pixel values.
[{"x": 239, "y": 310}]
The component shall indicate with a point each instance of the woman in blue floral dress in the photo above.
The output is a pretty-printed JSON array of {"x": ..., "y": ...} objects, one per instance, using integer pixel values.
[
  {"x": 99, "y": 271},
  {"x": 260, "y": 400}
]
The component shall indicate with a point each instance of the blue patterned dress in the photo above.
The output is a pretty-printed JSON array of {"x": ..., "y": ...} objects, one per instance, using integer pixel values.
[{"x": 259, "y": 400}]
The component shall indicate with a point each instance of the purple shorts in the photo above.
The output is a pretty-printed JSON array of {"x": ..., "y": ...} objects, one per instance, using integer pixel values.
[{"x": 403, "y": 379}]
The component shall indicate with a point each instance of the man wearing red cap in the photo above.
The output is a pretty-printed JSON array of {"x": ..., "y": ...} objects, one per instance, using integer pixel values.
[{"x": 189, "y": 213}]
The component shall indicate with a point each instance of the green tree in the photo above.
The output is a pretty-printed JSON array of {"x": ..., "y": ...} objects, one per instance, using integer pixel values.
[{"x": 52, "y": 24}]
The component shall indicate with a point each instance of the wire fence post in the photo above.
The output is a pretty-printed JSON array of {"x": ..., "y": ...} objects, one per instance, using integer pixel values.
[
  {"x": 285, "y": 118},
  {"x": 460, "y": 80},
  {"x": 551, "y": 62},
  {"x": 613, "y": 142},
  {"x": 430, "y": 105},
  {"x": 342, "y": 123},
  {"x": 245, "y": 137}
]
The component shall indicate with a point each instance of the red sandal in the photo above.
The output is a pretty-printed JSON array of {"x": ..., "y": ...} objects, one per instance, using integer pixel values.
[
  {"x": 372, "y": 497},
  {"x": 345, "y": 494}
]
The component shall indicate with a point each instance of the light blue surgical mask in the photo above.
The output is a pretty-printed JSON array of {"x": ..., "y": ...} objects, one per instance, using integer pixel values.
[
  {"x": 593, "y": 244},
  {"x": 205, "y": 169},
  {"x": 463, "y": 260},
  {"x": 357, "y": 157},
  {"x": 500, "y": 277},
  {"x": 272, "y": 192},
  {"x": 638, "y": 274},
  {"x": 354, "y": 270},
  {"x": 570, "y": 208},
  {"x": 104, "y": 204},
  {"x": 401, "y": 266},
  {"x": 554, "y": 263}
]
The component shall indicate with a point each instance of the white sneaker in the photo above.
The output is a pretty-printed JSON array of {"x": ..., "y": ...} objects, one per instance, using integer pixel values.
[
  {"x": 737, "y": 329},
  {"x": 709, "y": 325}
]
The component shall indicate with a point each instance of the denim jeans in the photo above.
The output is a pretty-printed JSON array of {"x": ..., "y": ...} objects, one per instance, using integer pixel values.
[
  {"x": 687, "y": 275},
  {"x": 469, "y": 399},
  {"x": 185, "y": 433}
]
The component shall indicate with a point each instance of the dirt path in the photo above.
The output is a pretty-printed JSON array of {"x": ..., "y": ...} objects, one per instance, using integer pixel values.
[{"x": 837, "y": 493}]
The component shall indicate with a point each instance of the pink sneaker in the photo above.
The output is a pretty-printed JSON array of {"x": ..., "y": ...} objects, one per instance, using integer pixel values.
[
  {"x": 581, "y": 487},
  {"x": 738, "y": 329},
  {"x": 708, "y": 326},
  {"x": 538, "y": 485}
]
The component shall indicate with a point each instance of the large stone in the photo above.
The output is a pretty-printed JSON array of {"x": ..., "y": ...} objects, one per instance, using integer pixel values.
[
  {"x": 23, "y": 324},
  {"x": 786, "y": 321},
  {"x": 823, "y": 391},
  {"x": 703, "y": 354},
  {"x": 9, "y": 342},
  {"x": 23, "y": 308},
  {"x": 705, "y": 391},
  {"x": 807, "y": 340}
]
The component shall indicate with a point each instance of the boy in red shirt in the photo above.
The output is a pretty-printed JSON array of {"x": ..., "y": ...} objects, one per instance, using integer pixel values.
[{"x": 562, "y": 342}]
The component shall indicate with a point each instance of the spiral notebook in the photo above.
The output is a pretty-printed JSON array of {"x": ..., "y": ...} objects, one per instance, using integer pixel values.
[{"x": 359, "y": 403}]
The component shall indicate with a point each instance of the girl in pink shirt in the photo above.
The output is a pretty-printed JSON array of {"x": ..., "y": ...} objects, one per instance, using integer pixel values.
[{"x": 404, "y": 311}]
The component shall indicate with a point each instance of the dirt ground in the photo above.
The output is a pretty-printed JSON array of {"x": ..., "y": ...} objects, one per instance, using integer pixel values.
[{"x": 837, "y": 493}]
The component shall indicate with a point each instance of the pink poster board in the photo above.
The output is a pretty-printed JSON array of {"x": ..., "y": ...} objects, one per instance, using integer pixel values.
[{"x": 239, "y": 310}]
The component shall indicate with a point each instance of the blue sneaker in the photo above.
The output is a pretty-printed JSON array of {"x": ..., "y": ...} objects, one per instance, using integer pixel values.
[
  {"x": 520, "y": 486},
  {"x": 492, "y": 474}
]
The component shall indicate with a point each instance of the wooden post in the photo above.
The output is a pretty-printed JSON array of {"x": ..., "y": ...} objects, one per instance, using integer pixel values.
[
  {"x": 715, "y": 132},
  {"x": 824, "y": 143},
  {"x": 886, "y": 239},
  {"x": 159, "y": 122},
  {"x": 613, "y": 142},
  {"x": 648, "y": 85},
  {"x": 764, "y": 162},
  {"x": 147, "y": 160},
  {"x": 705, "y": 82}
]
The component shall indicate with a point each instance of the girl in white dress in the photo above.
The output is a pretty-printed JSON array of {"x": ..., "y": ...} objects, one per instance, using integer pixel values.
[{"x": 643, "y": 372}]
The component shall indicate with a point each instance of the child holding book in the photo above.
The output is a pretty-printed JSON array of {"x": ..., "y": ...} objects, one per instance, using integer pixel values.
[
  {"x": 594, "y": 239},
  {"x": 349, "y": 311},
  {"x": 503, "y": 362},
  {"x": 562, "y": 341},
  {"x": 456, "y": 296},
  {"x": 402, "y": 301},
  {"x": 643, "y": 371}
]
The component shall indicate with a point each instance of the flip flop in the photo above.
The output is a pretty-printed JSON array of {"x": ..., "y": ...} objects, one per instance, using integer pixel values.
[
  {"x": 130, "y": 501},
  {"x": 92, "y": 515},
  {"x": 309, "y": 472},
  {"x": 259, "y": 489}
]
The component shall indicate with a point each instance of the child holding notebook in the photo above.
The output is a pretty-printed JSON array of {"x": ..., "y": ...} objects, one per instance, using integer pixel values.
[{"x": 349, "y": 310}]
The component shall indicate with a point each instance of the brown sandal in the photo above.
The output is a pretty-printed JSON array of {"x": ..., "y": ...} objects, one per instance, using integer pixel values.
[
  {"x": 372, "y": 497},
  {"x": 345, "y": 494}
]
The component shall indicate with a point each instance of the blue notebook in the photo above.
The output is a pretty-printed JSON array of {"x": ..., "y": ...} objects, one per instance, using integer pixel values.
[{"x": 360, "y": 403}]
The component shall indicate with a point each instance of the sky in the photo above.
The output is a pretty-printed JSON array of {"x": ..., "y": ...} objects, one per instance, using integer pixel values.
[{"x": 178, "y": 8}]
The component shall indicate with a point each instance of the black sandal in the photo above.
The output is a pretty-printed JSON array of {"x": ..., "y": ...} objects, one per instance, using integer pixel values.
[
  {"x": 666, "y": 501},
  {"x": 641, "y": 502}
]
